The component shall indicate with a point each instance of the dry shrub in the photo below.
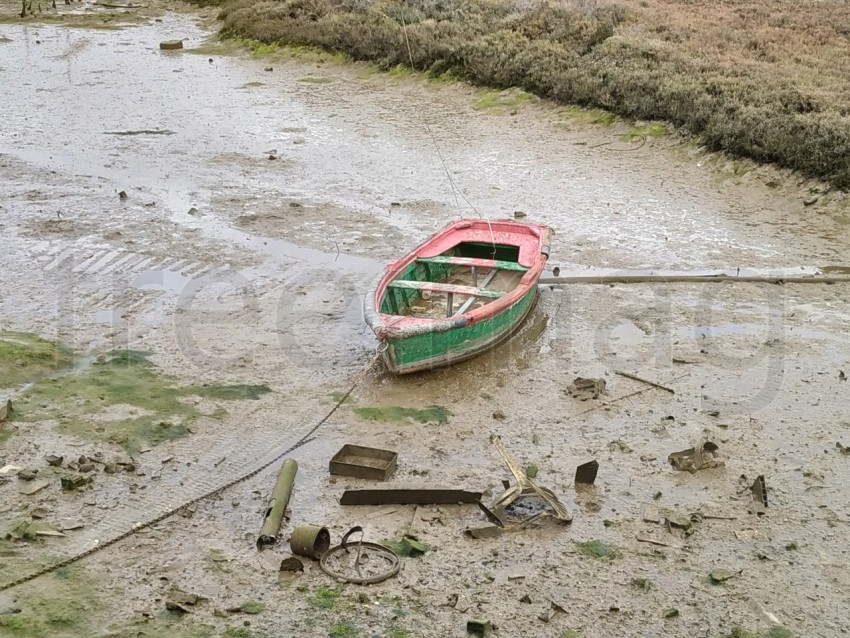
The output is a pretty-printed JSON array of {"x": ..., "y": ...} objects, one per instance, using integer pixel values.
[{"x": 760, "y": 79}]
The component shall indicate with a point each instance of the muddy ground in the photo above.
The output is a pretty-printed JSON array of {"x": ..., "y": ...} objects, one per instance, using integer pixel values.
[{"x": 260, "y": 196}]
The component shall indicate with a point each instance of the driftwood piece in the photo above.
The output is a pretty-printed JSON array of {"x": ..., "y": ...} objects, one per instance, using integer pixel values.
[{"x": 635, "y": 377}]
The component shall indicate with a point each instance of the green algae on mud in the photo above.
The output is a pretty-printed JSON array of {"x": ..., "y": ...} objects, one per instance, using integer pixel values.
[
  {"x": 431, "y": 414},
  {"x": 598, "y": 549},
  {"x": 503, "y": 101},
  {"x": 64, "y": 603},
  {"x": 104, "y": 21},
  {"x": 123, "y": 399},
  {"x": 25, "y": 357}
]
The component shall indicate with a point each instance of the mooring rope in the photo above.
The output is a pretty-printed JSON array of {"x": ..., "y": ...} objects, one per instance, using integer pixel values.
[{"x": 305, "y": 438}]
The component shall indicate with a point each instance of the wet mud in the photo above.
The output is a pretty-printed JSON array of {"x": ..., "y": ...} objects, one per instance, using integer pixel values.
[{"x": 237, "y": 258}]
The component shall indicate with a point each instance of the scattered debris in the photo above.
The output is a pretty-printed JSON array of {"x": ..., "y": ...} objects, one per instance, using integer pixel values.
[
  {"x": 844, "y": 449},
  {"x": 27, "y": 475},
  {"x": 718, "y": 576},
  {"x": 75, "y": 481},
  {"x": 291, "y": 564},
  {"x": 518, "y": 214},
  {"x": 671, "y": 613},
  {"x": 171, "y": 45},
  {"x": 619, "y": 445},
  {"x": 122, "y": 195},
  {"x": 69, "y": 524},
  {"x": 372, "y": 563},
  {"x": 634, "y": 377},
  {"x": 30, "y": 530},
  {"x": 277, "y": 504},
  {"x": 498, "y": 415},
  {"x": 10, "y": 470},
  {"x": 525, "y": 485},
  {"x": 586, "y": 473},
  {"x": 54, "y": 461},
  {"x": 180, "y": 601},
  {"x": 701, "y": 457},
  {"x": 652, "y": 515},
  {"x": 34, "y": 486},
  {"x": 586, "y": 388},
  {"x": 680, "y": 521},
  {"x": 363, "y": 462},
  {"x": 248, "y": 607},
  {"x": 841, "y": 377},
  {"x": 311, "y": 541},
  {"x": 493, "y": 517},
  {"x": 759, "y": 491},
  {"x": 478, "y": 626},
  {"x": 654, "y": 541},
  {"x": 459, "y": 602},
  {"x": 489, "y": 531},
  {"x": 408, "y": 497},
  {"x": 554, "y": 610},
  {"x": 598, "y": 549},
  {"x": 408, "y": 544},
  {"x": 39, "y": 512},
  {"x": 643, "y": 584}
]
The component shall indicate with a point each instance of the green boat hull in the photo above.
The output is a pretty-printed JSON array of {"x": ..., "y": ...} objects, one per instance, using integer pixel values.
[{"x": 436, "y": 349}]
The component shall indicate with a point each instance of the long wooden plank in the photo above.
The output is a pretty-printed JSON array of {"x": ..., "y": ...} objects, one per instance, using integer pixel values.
[
  {"x": 468, "y": 303},
  {"x": 433, "y": 286},
  {"x": 472, "y": 261}
]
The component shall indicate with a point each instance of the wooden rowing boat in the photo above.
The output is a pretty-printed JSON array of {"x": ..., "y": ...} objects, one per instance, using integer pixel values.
[{"x": 458, "y": 294}]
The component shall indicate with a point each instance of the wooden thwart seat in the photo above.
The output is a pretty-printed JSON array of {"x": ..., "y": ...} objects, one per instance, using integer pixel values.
[
  {"x": 449, "y": 289},
  {"x": 472, "y": 261}
]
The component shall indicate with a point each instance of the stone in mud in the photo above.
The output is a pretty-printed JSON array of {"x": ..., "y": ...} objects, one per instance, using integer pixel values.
[
  {"x": 171, "y": 45},
  {"x": 54, "y": 461},
  {"x": 39, "y": 513},
  {"x": 27, "y": 475},
  {"x": 85, "y": 468},
  {"x": 33, "y": 487},
  {"x": 677, "y": 520},
  {"x": 586, "y": 388},
  {"x": 75, "y": 481},
  {"x": 5, "y": 411}
]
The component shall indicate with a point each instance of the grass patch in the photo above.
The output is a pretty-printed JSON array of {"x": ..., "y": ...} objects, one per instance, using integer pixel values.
[
  {"x": 598, "y": 549},
  {"x": 25, "y": 357},
  {"x": 431, "y": 414},
  {"x": 502, "y": 101},
  {"x": 316, "y": 79},
  {"x": 768, "y": 85},
  {"x": 343, "y": 630},
  {"x": 649, "y": 130},
  {"x": 326, "y": 597},
  {"x": 124, "y": 400},
  {"x": 64, "y": 604},
  {"x": 252, "y": 85},
  {"x": 399, "y": 632},
  {"x": 588, "y": 116},
  {"x": 238, "y": 392},
  {"x": 237, "y": 632},
  {"x": 572, "y": 633}
]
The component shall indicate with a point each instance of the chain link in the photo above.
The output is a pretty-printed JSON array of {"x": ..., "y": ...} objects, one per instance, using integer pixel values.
[{"x": 306, "y": 438}]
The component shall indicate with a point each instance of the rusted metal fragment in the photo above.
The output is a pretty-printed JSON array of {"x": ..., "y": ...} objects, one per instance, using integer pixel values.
[
  {"x": 759, "y": 490},
  {"x": 701, "y": 457},
  {"x": 586, "y": 472},
  {"x": 277, "y": 504},
  {"x": 492, "y": 516},
  {"x": 408, "y": 497}
]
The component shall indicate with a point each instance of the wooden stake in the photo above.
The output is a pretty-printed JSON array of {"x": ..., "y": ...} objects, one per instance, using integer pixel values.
[{"x": 646, "y": 381}]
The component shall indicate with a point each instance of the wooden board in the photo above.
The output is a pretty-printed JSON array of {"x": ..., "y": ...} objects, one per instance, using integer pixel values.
[{"x": 433, "y": 286}]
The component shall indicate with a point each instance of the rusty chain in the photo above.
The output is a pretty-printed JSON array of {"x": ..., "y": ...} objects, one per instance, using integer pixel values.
[{"x": 171, "y": 512}]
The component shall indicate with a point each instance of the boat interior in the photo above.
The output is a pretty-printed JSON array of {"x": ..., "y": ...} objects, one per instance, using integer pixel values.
[{"x": 467, "y": 277}]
